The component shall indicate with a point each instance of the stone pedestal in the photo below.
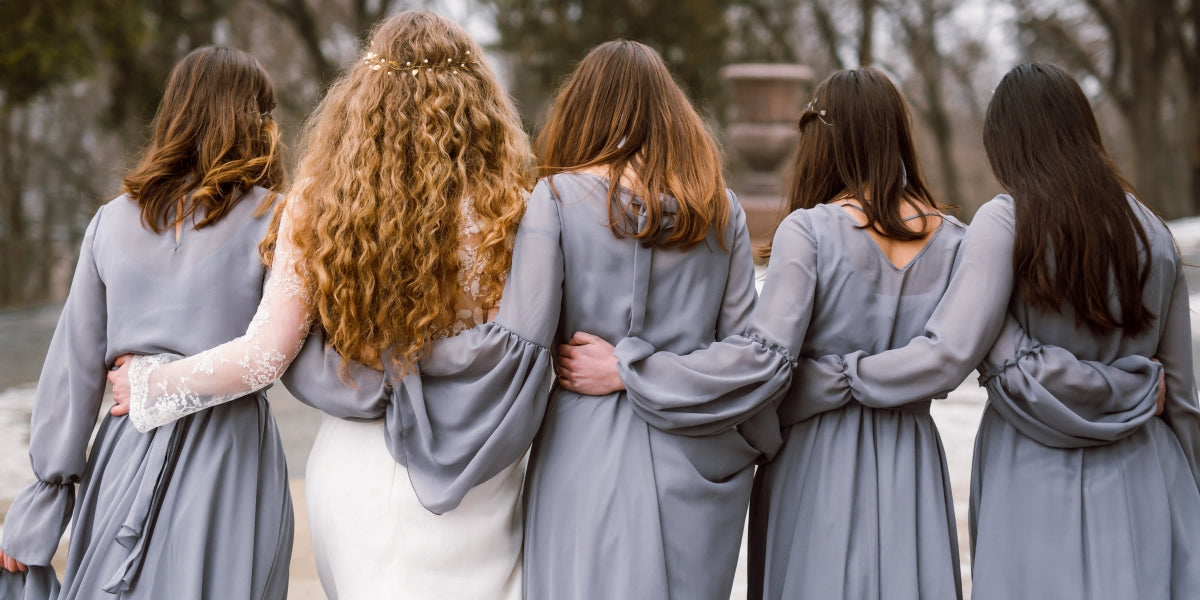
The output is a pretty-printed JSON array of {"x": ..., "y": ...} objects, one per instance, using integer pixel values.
[{"x": 767, "y": 99}]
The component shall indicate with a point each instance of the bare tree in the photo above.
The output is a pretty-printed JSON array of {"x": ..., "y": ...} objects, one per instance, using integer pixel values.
[
  {"x": 326, "y": 28},
  {"x": 919, "y": 25},
  {"x": 1187, "y": 39},
  {"x": 1127, "y": 48}
]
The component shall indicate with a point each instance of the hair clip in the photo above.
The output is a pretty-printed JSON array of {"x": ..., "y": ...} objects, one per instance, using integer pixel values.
[{"x": 811, "y": 106}]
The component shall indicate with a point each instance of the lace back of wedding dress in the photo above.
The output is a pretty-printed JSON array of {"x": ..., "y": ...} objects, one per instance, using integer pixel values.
[{"x": 469, "y": 308}]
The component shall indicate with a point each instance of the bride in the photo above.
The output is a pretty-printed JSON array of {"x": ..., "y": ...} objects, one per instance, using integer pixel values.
[{"x": 411, "y": 183}]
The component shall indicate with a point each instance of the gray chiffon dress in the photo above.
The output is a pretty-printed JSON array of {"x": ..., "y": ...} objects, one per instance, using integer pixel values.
[
  {"x": 624, "y": 499},
  {"x": 197, "y": 509},
  {"x": 1071, "y": 496},
  {"x": 856, "y": 503}
]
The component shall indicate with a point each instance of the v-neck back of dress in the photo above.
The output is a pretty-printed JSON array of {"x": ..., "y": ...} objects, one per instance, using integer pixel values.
[
  {"x": 916, "y": 256},
  {"x": 863, "y": 301}
]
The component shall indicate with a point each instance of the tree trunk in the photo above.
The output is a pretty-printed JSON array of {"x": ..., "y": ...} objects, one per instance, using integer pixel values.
[
  {"x": 866, "y": 42},
  {"x": 16, "y": 227}
]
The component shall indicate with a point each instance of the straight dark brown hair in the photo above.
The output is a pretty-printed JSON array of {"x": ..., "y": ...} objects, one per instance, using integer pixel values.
[
  {"x": 856, "y": 141},
  {"x": 1077, "y": 236},
  {"x": 213, "y": 139},
  {"x": 621, "y": 109}
]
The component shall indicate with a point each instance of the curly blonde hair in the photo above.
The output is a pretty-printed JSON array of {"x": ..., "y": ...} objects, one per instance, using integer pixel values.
[{"x": 386, "y": 159}]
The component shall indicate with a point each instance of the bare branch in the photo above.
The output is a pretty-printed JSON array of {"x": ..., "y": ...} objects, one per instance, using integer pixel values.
[
  {"x": 778, "y": 29},
  {"x": 827, "y": 31}
]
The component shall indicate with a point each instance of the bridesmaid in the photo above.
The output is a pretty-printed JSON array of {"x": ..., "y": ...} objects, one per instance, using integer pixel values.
[
  {"x": 1070, "y": 498},
  {"x": 857, "y": 502},
  {"x": 633, "y": 234},
  {"x": 411, "y": 184},
  {"x": 198, "y": 509}
]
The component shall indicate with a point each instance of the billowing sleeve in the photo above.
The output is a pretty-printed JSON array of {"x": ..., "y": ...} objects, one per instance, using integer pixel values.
[
  {"x": 69, "y": 393},
  {"x": 162, "y": 391},
  {"x": 315, "y": 378},
  {"x": 715, "y": 388},
  {"x": 479, "y": 397},
  {"x": 1045, "y": 391},
  {"x": 1175, "y": 352},
  {"x": 1054, "y": 398}
]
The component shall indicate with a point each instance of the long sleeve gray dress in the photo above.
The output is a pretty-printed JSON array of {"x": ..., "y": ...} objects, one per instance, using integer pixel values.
[
  {"x": 856, "y": 503},
  {"x": 197, "y": 509},
  {"x": 623, "y": 499},
  {"x": 1090, "y": 498}
]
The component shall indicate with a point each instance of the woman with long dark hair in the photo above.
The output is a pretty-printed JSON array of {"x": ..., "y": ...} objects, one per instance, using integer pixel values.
[
  {"x": 1071, "y": 497},
  {"x": 198, "y": 509}
]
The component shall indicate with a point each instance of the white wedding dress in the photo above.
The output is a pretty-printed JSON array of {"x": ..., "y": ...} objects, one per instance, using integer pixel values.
[{"x": 371, "y": 536}]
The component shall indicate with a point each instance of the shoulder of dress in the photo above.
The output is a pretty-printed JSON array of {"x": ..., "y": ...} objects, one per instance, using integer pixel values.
[
  {"x": 954, "y": 222},
  {"x": 1000, "y": 203}
]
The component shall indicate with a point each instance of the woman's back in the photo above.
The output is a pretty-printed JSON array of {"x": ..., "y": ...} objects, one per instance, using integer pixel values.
[
  {"x": 862, "y": 301},
  {"x": 683, "y": 293},
  {"x": 157, "y": 289}
]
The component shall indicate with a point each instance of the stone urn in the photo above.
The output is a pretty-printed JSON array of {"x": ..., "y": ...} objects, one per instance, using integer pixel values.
[{"x": 767, "y": 100}]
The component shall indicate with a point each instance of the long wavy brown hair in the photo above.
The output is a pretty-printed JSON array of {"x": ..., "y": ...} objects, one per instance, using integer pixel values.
[
  {"x": 856, "y": 140},
  {"x": 407, "y": 132},
  {"x": 1078, "y": 238},
  {"x": 620, "y": 109},
  {"x": 213, "y": 139}
]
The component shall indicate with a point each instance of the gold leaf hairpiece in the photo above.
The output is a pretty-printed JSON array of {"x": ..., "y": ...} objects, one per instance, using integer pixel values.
[{"x": 379, "y": 63}]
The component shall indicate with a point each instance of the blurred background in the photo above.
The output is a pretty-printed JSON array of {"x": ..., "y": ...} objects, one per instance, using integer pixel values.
[{"x": 80, "y": 80}]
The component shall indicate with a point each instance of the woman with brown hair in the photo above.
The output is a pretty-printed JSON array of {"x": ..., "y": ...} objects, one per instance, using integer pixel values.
[
  {"x": 198, "y": 509},
  {"x": 411, "y": 183},
  {"x": 857, "y": 502},
  {"x": 632, "y": 234}
]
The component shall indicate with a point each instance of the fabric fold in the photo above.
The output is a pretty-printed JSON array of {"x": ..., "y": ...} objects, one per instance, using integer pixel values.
[
  {"x": 709, "y": 392},
  {"x": 315, "y": 378},
  {"x": 138, "y": 526},
  {"x": 1036, "y": 400},
  {"x": 39, "y": 583},
  {"x": 472, "y": 410}
]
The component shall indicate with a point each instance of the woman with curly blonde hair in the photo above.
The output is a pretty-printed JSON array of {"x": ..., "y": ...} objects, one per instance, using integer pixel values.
[
  {"x": 199, "y": 508},
  {"x": 411, "y": 183}
]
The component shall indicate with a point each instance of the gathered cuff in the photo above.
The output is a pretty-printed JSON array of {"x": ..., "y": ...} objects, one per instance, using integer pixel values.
[
  {"x": 995, "y": 371},
  {"x": 773, "y": 347},
  {"x": 36, "y": 521}
]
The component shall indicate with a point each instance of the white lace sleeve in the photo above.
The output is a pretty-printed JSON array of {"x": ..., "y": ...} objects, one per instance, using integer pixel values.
[
  {"x": 163, "y": 391},
  {"x": 469, "y": 308}
]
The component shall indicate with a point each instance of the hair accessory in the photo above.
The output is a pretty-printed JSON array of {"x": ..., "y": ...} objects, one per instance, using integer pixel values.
[
  {"x": 812, "y": 105},
  {"x": 379, "y": 63}
]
